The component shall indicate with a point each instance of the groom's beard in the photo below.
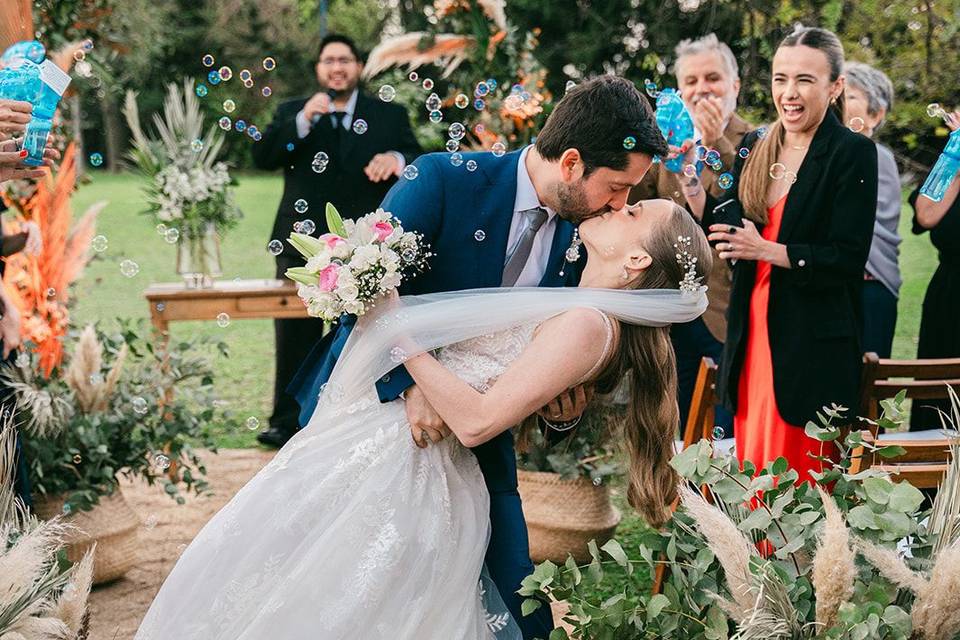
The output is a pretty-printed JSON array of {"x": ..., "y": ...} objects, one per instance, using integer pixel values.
[{"x": 572, "y": 203}]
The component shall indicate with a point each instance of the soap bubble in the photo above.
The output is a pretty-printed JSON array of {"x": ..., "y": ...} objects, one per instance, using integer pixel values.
[
  {"x": 462, "y": 101},
  {"x": 456, "y": 159},
  {"x": 452, "y": 145},
  {"x": 479, "y": 104},
  {"x": 689, "y": 170},
  {"x": 777, "y": 170},
  {"x": 471, "y": 165},
  {"x": 248, "y": 83},
  {"x": 224, "y": 123},
  {"x": 266, "y": 92},
  {"x": 223, "y": 320},
  {"x": 629, "y": 143},
  {"x": 225, "y": 73},
  {"x": 433, "y": 102},
  {"x": 387, "y": 93},
  {"x": 308, "y": 227},
  {"x": 570, "y": 85},
  {"x": 725, "y": 180},
  {"x": 207, "y": 60},
  {"x": 436, "y": 117},
  {"x": 301, "y": 205},
  {"x": 359, "y": 126},
  {"x": 744, "y": 152},
  {"x": 51, "y": 292},
  {"x": 410, "y": 172},
  {"x": 651, "y": 88},
  {"x": 161, "y": 461},
  {"x": 201, "y": 90},
  {"x": 427, "y": 84},
  {"x": 856, "y": 124},
  {"x": 139, "y": 405},
  {"x": 718, "y": 432},
  {"x": 213, "y": 78},
  {"x": 481, "y": 89},
  {"x": 196, "y": 145},
  {"x": 252, "y": 423},
  {"x": 96, "y": 159},
  {"x": 99, "y": 243},
  {"x": 245, "y": 75},
  {"x": 275, "y": 247},
  {"x": 229, "y": 105},
  {"x": 240, "y": 125},
  {"x": 269, "y": 64},
  {"x": 479, "y": 235},
  {"x": 414, "y": 76},
  {"x": 77, "y": 459},
  {"x": 498, "y": 149},
  {"x": 712, "y": 157},
  {"x": 129, "y": 268},
  {"x": 172, "y": 235},
  {"x": 934, "y": 110},
  {"x": 456, "y": 131},
  {"x": 320, "y": 162}
]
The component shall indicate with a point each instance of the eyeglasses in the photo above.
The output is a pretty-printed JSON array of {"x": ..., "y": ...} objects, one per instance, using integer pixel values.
[{"x": 329, "y": 62}]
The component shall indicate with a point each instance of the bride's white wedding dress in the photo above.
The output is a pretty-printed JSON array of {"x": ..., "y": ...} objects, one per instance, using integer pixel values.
[{"x": 351, "y": 531}]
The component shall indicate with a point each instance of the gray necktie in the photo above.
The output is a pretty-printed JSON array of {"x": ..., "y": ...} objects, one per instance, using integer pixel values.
[{"x": 511, "y": 271}]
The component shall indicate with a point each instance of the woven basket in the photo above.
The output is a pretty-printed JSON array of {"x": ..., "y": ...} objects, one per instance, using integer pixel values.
[
  {"x": 112, "y": 525},
  {"x": 564, "y": 515}
]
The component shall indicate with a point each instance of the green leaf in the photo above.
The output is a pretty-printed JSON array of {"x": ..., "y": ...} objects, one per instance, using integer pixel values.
[
  {"x": 891, "y": 451},
  {"x": 758, "y": 519},
  {"x": 905, "y": 498},
  {"x": 657, "y": 603},
  {"x": 559, "y": 634},
  {"x": 571, "y": 566},
  {"x": 335, "y": 221},
  {"x": 529, "y": 606},
  {"x": 819, "y": 433},
  {"x": 779, "y": 466},
  {"x": 898, "y": 620},
  {"x": 613, "y": 548},
  {"x": 878, "y": 489},
  {"x": 862, "y": 517}
]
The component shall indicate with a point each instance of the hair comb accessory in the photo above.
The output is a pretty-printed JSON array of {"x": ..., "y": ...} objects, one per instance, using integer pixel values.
[{"x": 690, "y": 282}]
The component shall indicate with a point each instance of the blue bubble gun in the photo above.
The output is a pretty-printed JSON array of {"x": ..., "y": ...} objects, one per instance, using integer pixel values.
[
  {"x": 675, "y": 124},
  {"x": 937, "y": 183},
  {"x": 54, "y": 82}
]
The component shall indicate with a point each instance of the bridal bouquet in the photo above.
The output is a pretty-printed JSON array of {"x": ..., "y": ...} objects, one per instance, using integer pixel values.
[{"x": 356, "y": 263}]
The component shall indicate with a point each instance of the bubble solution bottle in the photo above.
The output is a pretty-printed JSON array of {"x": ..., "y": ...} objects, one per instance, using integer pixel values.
[
  {"x": 675, "y": 124},
  {"x": 54, "y": 83},
  {"x": 20, "y": 81},
  {"x": 937, "y": 183}
]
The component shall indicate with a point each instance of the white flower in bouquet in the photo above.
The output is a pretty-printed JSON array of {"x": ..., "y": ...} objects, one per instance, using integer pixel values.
[{"x": 359, "y": 261}]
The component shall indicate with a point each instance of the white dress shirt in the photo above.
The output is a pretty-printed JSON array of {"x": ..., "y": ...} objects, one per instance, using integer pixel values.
[
  {"x": 346, "y": 121},
  {"x": 527, "y": 198}
]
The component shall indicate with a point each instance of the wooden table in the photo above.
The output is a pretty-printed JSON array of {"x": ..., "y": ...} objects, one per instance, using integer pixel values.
[{"x": 237, "y": 298}]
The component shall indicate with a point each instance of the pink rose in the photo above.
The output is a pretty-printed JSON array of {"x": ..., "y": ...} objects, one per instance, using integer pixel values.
[
  {"x": 328, "y": 278},
  {"x": 332, "y": 240},
  {"x": 382, "y": 230}
]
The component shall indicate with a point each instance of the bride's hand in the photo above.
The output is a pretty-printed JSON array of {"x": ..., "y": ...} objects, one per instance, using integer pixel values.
[
  {"x": 426, "y": 425},
  {"x": 569, "y": 405}
]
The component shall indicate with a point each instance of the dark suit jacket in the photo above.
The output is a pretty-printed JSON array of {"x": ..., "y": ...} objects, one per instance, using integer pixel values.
[
  {"x": 815, "y": 306},
  {"x": 343, "y": 182}
]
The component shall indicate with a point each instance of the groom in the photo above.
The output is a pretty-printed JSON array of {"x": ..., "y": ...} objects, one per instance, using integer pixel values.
[{"x": 508, "y": 221}]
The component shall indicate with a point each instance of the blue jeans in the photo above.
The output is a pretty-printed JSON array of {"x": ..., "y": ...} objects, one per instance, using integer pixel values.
[
  {"x": 879, "y": 318},
  {"x": 691, "y": 342}
]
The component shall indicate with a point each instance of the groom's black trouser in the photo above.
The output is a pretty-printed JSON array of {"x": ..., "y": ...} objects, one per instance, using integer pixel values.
[{"x": 294, "y": 337}]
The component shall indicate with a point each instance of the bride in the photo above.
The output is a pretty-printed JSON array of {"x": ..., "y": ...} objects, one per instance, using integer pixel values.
[{"x": 352, "y": 531}]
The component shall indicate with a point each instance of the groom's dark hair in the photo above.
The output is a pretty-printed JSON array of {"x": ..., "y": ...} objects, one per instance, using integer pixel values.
[{"x": 597, "y": 118}]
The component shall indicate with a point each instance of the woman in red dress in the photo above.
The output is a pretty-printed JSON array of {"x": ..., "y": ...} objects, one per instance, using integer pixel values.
[{"x": 797, "y": 226}]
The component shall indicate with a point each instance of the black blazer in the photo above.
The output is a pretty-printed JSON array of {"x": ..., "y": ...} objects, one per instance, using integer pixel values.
[
  {"x": 814, "y": 310},
  {"x": 343, "y": 182}
]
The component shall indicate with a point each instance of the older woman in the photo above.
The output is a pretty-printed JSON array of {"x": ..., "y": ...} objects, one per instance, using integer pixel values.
[
  {"x": 806, "y": 198},
  {"x": 869, "y": 97}
]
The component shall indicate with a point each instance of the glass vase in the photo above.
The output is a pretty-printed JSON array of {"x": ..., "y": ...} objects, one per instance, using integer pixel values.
[{"x": 198, "y": 257}]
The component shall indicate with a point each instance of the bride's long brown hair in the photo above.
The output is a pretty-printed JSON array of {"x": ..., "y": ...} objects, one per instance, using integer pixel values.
[{"x": 645, "y": 362}]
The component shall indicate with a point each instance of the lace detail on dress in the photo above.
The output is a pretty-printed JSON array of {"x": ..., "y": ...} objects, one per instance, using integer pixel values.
[{"x": 480, "y": 361}]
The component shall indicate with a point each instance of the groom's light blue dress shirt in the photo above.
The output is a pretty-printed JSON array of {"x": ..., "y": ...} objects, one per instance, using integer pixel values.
[{"x": 527, "y": 198}]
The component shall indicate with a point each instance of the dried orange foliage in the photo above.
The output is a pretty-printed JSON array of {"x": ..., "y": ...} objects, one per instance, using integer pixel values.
[{"x": 39, "y": 285}]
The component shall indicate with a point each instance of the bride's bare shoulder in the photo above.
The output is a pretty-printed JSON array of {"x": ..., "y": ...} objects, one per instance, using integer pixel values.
[{"x": 581, "y": 327}]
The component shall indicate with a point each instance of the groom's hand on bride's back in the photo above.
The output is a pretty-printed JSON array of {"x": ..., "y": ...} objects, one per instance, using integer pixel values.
[
  {"x": 569, "y": 405},
  {"x": 426, "y": 425}
]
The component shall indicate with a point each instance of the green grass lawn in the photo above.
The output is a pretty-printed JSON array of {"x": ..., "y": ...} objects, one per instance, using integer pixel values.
[{"x": 245, "y": 379}]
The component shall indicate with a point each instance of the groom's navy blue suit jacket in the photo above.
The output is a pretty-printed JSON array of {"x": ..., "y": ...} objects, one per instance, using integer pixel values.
[{"x": 465, "y": 217}]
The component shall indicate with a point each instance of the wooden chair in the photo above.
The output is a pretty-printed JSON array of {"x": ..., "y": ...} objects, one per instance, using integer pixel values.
[
  {"x": 922, "y": 379},
  {"x": 923, "y": 463},
  {"x": 699, "y": 425},
  {"x": 926, "y": 453}
]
